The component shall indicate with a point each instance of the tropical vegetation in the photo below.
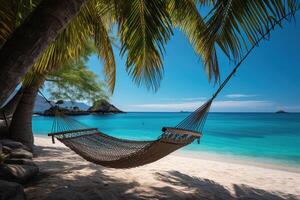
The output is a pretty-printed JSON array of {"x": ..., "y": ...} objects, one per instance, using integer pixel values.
[
  {"x": 37, "y": 36},
  {"x": 71, "y": 81},
  {"x": 75, "y": 82}
]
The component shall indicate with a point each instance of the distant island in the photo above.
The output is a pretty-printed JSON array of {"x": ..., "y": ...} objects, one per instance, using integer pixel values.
[
  {"x": 74, "y": 108},
  {"x": 280, "y": 112},
  {"x": 104, "y": 107}
]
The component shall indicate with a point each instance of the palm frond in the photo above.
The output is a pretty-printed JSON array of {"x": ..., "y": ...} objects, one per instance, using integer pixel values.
[
  {"x": 103, "y": 42},
  {"x": 72, "y": 43},
  {"x": 12, "y": 14},
  {"x": 7, "y": 21},
  {"x": 185, "y": 15},
  {"x": 237, "y": 24},
  {"x": 144, "y": 28}
]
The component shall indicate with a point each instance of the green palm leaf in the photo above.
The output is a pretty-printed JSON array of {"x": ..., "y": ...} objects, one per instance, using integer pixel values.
[
  {"x": 237, "y": 24},
  {"x": 98, "y": 17},
  {"x": 144, "y": 28},
  {"x": 185, "y": 15},
  {"x": 71, "y": 43}
]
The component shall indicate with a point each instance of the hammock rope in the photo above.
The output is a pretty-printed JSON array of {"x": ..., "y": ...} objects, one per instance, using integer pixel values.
[{"x": 108, "y": 151}]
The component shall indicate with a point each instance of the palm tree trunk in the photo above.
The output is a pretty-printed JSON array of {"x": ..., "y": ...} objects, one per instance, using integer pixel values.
[
  {"x": 29, "y": 40},
  {"x": 21, "y": 125}
]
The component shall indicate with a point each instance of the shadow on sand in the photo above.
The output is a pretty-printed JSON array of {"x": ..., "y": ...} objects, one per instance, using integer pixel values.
[{"x": 63, "y": 180}]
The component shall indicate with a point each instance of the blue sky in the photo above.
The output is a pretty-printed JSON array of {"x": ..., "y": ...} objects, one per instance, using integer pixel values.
[{"x": 267, "y": 81}]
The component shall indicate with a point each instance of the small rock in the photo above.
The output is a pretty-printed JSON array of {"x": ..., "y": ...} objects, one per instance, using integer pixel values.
[
  {"x": 6, "y": 150},
  {"x": 13, "y": 144},
  {"x": 20, "y": 153},
  {"x": 18, "y": 173},
  {"x": 20, "y": 161},
  {"x": 11, "y": 191}
]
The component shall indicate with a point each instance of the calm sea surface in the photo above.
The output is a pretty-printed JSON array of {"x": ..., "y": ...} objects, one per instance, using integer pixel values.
[{"x": 254, "y": 136}]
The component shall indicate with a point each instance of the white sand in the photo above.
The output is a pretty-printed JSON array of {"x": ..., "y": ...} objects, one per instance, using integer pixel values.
[{"x": 64, "y": 175}]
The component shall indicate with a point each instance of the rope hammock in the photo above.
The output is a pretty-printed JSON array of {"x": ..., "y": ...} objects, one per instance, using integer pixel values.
[{"x": 108, "y": 151}]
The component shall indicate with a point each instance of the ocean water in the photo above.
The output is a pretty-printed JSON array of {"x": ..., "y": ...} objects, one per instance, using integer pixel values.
[{"x": 263, "y": 137}]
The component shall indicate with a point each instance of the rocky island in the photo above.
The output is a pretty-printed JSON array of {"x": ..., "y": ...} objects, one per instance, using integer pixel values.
[
  {"x": 75, "y": 108},
  {"x": 66, "y": 111},
  {"x": 104, "y": 107},
  {"x": 280, "y": 112}
]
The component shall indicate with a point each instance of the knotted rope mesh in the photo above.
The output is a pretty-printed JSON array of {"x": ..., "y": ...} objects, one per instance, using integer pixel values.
[{"x": 99, "y": 148}]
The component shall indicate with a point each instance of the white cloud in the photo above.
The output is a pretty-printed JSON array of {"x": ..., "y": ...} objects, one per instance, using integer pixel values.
[
  {"x": 240, "y": 95},
  {"x": 168, "y": 106},
  {"x": 229, "y": 106},
  {"x": 249, "y": 105},
  {"x": 290, "y": 108}
]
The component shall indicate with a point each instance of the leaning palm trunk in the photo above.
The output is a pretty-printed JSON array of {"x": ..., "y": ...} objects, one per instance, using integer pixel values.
[
  {"x": 21, "y": 125},
  {"x": 31, "y": 38}
]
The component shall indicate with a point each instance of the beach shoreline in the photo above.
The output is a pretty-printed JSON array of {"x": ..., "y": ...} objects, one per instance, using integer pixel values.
[
  {"x": 173, "y": 177},
  {"x": 227, "y": 158},
  {"x": 242, "y": 160}
]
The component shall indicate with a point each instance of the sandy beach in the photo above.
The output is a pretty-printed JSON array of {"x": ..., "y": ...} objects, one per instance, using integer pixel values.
[{"x": 64, "y": 175}]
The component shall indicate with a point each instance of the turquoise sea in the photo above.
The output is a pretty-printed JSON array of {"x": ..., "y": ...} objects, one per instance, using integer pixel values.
[{"x": 264, "y": 137}]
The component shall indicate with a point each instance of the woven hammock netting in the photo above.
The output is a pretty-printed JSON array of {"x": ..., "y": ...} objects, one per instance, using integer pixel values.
[{"x": 108, "y": 151}]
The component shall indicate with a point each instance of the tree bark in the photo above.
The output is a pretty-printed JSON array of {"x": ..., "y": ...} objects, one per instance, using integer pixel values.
[
  {"x": 29, "y": 40},
  {"x": 21, "y": 125}
]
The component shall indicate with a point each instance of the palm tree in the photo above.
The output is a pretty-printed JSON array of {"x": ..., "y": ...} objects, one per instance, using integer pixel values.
[
  {"x": 20, "y": 128},
  {"x": 94, "y": 23},
  {"x": 73, "y": 76},
  {"x": 72, "y": 44},
  {"x": 236, "y": 25},
  {"x": 73, "y": 73},
  {"x": 143, "y": 28},
  {"x": 32, "y": 37}
]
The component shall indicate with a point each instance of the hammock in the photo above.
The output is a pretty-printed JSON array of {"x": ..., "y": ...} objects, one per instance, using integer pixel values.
[{"x": 108, "y": 151}]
